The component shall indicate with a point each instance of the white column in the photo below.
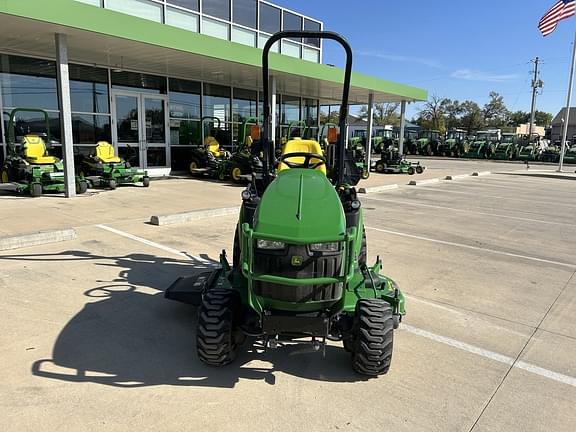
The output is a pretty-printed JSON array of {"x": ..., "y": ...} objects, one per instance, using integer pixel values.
[
  {"x": 369, "y": 130},
  {"x": 65, "y": 113},
  {"x": 273, "y": 108},
  {"x": 402, "y": 127}
]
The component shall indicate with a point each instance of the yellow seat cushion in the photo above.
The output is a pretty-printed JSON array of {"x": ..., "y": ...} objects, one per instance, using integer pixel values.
[
  {"x": 105, "y": 152},
  {"x": 302, "y": 146},
  {"x": 35, "y": 151},
  {"x": 213, "y": 146}
]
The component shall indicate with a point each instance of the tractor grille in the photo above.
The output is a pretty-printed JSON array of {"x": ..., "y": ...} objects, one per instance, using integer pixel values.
[{"x": 314, "y": 265}]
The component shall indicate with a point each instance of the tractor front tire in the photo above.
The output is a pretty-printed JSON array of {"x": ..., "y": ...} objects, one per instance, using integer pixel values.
[
  {"x": 365, "y": 174},
  {"x": 411, "y": 171},
  {"x": 236, "y": 173},
  {"x": 419, "y": 170},
  {"x": 35, "y": 189},
  {"x": 373, "y": 337},
  {"x": 218, "y": 336}
]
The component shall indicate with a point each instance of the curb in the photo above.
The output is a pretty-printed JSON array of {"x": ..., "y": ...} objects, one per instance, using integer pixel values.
[
  {"x": 481, "y": 173},
  {"x": 375, "y": 189},
  {"x": 37, "y": 238},
  {"x": 423, "y": 182},
  {"x": 176, "y": 218}
]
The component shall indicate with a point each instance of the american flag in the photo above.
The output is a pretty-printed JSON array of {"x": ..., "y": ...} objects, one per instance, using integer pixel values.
[{"x": 561, "y": 10}]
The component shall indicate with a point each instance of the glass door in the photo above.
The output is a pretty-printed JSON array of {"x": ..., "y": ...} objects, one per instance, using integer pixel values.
[{"x": 140, "y": 131}]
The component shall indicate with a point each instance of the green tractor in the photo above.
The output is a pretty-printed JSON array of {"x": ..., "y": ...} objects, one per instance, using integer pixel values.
[
  {"x": 411, "y": 142},
  {"x": 455, "y": 145},
  {"x": 507, "y": 148},
  {"x": 570, "y": 155},
  {"x": 428, "y": 142},
  {"x": 552, "y": 152},
  {"x": 209, "y": 158},
  {"x": 358, "y": 137},
  {"x": 529, "y": 148},
  {"x": 299, "y": 271},
  {"x": 29, "y": 167},
  {"x": 357, "y": 151},
  {"x": 483, "y": 145},
  {"x": 104, "y": 168},
  {"x": 382, "y": 139}
]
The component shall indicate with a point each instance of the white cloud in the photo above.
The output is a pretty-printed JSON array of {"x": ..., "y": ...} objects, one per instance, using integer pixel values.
[
  {"x": 476, "y": 75},
  {"x": 403, "y": 59}
]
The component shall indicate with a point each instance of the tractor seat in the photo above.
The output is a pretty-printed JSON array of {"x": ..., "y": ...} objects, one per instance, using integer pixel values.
[
  {"x": 35, "y": 151},
  {"x": 302, "y": 146},
  {"x": 213, "y": 146},
  {"x": 105, "y": 153}
]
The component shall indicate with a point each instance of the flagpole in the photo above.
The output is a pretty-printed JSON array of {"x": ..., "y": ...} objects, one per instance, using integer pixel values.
[{"x": 568, "y": 103}]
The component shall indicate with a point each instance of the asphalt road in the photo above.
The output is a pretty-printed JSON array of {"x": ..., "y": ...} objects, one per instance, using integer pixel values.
[{"x": 489, "y": 343}]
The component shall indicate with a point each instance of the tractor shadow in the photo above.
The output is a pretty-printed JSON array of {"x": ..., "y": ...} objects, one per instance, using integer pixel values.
[{"x": 128, "y": 335}]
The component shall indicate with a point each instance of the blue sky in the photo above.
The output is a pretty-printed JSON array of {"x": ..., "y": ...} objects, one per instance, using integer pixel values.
[{"x": 452, "y": 48}]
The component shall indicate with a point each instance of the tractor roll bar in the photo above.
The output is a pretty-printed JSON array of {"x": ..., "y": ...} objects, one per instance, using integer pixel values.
[{"x": 345, "y": 94}]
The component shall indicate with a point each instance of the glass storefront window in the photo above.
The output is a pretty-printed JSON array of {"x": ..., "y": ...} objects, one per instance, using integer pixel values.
[
  {"x": 188, "y": 4},
  {"x": 185, "y": 132},
  {"x": 290, "y": 109},
  {"x": 245, "y": 12},
  {"x": 184, "y": 99},
  {"x": 217, "y": 102},
  {"x": 292, "y": 22},
  {"x": 182, "y": 19},
  {"x": 291, "y": 49},
  {"x": 89, "y": 89},
  {"x": 141, "y": 8},
  {"x": 310, "y": 111},
  {"x": 142, "y": 82},
  {"x": 89, "y": 129},
  {"x": 269, "y": 18},
  {"x": 244, "y": 105},
  {"x": 262, "y": 39},
  {"x": 215, "y": 28},
  {"x": 243, "y": 36},
  {"x": 217, "y": 8},
  {"x": 312, "y": 26},
  {"x": 27, "y": 82},
  {"x": 311, "y": 54},
  {"x": 33, "y": 123}
]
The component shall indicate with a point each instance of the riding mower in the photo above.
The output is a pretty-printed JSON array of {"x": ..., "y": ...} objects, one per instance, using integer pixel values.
[
  {"x": 392, "y": 162},
  {"x": 323, "y": 135},
  {"x": 507, "y": 148},
  {"x": 209, "y": 159},
  {"x": 455, "y": 144},
  {"x": 299, "y": 272},
  {"x": 105, "y": 169},
  {"x": 428, "y": 142},
  {"x": 482, "y": 146},
  {"x": 29, "y": 167},
  {"x": 245, "y": 161}
]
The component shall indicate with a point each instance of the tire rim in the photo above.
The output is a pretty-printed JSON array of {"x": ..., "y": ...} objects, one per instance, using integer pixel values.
[
  {"x": 5, "y": 178},
  {"x": 236, "y": 173},
  {"x": 193, "y": 165}
]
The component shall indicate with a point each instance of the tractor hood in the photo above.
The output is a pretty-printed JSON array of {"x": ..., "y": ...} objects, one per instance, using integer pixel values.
[{"x": 301, "y": 206}]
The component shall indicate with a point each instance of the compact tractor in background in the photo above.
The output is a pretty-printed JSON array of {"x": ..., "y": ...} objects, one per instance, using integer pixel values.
[
  {"x": 507, "y": 148},
  {"x": 104, "y": 168},
  {"x": 382, "y": 139},
  {"x": 455, "y": 145},
  {"x": 529, "y": 148},
  {"x": 552, "y": 152},
  {"x": 483, "y": 145},
  {"x": 29, "y": 167},
  {"x": 299, "y": 272},
  {"x": 428, "y": 142}
]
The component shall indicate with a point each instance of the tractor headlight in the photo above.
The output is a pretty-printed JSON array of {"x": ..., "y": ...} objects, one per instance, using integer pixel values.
[
  {"x": 325, "y": 247},
  {"x": 270, "y": 244}
]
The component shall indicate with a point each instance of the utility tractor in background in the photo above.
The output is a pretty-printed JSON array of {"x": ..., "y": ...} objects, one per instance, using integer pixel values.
[
  {"x": 455, "y": 145},
  {"x": 507, "y": 148},
  {"x": 428, "y": 142},
  {"x": 483, "y": 145}
]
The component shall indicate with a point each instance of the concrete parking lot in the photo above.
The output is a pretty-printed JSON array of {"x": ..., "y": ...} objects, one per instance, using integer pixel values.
[{"x": 489, "y": 343}]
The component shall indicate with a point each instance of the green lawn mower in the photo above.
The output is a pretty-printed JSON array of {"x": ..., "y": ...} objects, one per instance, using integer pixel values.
[
  {"x": 455, "y": 145},
  {"x": 29, "y": 167},
  {"x": 104, "y": 168},
  {"x": 428, "y": 142},
  {"x": 392, "y": 162},
  {"x": 209, "y": 158},
  {"x": 246, "y": 161},
  {"x": 507, "y": 148},
  {"x": 299, "y": 273}
]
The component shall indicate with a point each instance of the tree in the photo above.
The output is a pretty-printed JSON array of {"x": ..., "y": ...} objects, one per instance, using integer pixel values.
[
  {"x": 384, "y": 114},
  {"x": 542, "y": 118},
  {"x": 495, "y": 112},
  {"x": 452, "y": 111},
  {"x": 519, "y": 117},
  {"x": 433, "y": 114},
  {"x": 472, "y": 116},
  {"x": 333, "y": 116}
]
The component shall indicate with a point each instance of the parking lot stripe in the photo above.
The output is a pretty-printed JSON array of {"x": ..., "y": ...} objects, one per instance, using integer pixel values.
[
  {"x": 465, "y": 246},
  {"x": 528, "y": 367},
  {"x": 499, "y": 216},
  {"x": 152, "y": 244}
]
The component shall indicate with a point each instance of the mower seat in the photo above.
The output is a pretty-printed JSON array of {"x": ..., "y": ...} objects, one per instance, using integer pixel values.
[
  {"x": 302, "y": 146},
  {"x": 105, "y": 153},
  {"x": 35, "y": 151},
  {"x": 213, "y": 146},
  {"x": 248, "y": 141}
]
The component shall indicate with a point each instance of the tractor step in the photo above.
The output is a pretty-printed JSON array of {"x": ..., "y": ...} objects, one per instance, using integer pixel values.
[
  {"x": 189, "y": 289},
  {"x": 286, "y": 324}
]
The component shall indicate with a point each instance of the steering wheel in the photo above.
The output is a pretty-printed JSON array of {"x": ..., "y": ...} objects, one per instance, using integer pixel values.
[{"x": 307, "y": 160}]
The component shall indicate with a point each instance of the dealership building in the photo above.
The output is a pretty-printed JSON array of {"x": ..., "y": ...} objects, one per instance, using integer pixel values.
[{"x": 142, "y": 74}]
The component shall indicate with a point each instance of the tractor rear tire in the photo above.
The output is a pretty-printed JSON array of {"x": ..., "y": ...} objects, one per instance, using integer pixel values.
[
  {"x": 373, "y": 337},
  {"x": 35, "y": 189},
  {"x": 218, "y": 335},
  {"x": 146, "y": 181}
]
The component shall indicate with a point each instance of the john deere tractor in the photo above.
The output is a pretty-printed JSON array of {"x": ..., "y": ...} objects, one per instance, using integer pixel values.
[
  {"x": 570, "y": 155},
  {"x": 456, "y": 144},
  {"x": 382, "y": 139},
  {"x": 104, "y": 168},
  {"x": 428, "y": 142},
  {"x": 507, "y": 148},
  {"x": 552, "y": 152},
  {"x": 299, "y": 272},
  {"x": 483, "y": 145},
  {"x": 529, "y": 148},
  {"x": 29, "y": 167},
  {"x": 209, "y": 158}
]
